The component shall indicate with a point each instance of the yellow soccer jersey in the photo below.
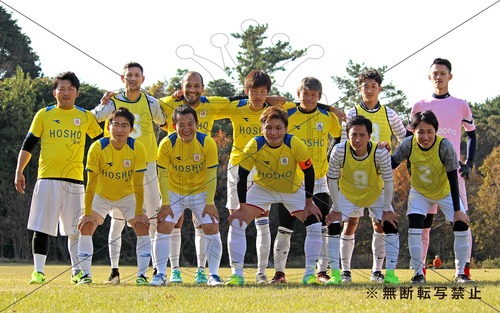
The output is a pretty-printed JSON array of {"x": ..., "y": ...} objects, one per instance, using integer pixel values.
[
  {"x": 381, "y": 128},
  {"x": 428, "y": 174},
  {"x": 207, "y": 111},
  {"x": 187, "y": 163},
  {"x": 116, "y": 167},
  {"x": 360, "y": 182},
  {"x": 246, "y": 125},
  {"x": 143, "y": 124},
  {"x": 276, "y": 168},
  {"x": 62, "y": 134},
  {"x": 313, "y": 129}
]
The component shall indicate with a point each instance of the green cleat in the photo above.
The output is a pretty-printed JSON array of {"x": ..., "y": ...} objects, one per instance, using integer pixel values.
[
  {"x": 200, "y": 277},
  {"x": 235, "y": 280},
  {"x": 76, "y": 278},
  {"x": 141, "y": 281},
  {"x": 85, "y": 280},
  {"x": 390, "y": 277},
  {"x": 335, "y": 278},
  {"x": 175, "y": 276},
  {"x": 37, "y": 278},
  {"x": 310, "y": 279}
]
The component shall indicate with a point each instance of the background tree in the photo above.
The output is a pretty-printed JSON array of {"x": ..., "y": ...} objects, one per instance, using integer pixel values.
[{"x": 15, "y": 49}]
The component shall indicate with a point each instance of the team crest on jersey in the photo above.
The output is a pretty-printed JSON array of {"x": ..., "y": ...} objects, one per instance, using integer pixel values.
[
  {"x": 203, "y": 114},
  {"x": 196, "y": 157},
  {"x": 284, "y": 161},
  {"x": 77, "y": 121},
  {"x": 320, "y": 125},
  {"x": 127, "y": 163}
]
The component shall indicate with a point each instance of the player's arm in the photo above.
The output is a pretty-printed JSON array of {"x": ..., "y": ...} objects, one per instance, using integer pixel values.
[
  {"x": 466, "y": 168},
  {"x": 401, "y": 153},
  {"x": 334, "y": 166},
  {"x": 339, "y": 113},
  {"x": 23, "y": 159},
  {"x": 241, "y": 185},
  {"x": 384, "y": 164},
  {"x": 310, "y": 208},
  {"x": 210, "y": 207},
  {"x": 138, "y": 179}
]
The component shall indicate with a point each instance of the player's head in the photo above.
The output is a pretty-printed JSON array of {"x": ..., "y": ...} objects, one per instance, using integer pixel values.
[
  {"x": 192, "y": 87},
  {"x": 257, "y": 85},
  {"x": 359, "y": 131},
  {"x": 425, "y": 126},
  {"x": 370, "y": 85},
  {"x": 185, "y": 122},
  {"x": 309, "y": 92},
  {"x": 65, "y": 88},
  {"x": 440, "y": 74},
  {"x": 120, "y": 124},
  {"x": 133, "y": 76},
  {"x": 274, "y": 124}
]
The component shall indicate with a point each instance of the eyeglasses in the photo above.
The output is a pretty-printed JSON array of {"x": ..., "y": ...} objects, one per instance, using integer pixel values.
[
  {"x": 270, "y": 129},
  {"x": 123, "y": 125}
]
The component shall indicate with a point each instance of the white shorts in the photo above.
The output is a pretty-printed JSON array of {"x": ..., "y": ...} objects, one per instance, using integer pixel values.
[
  {"x": 321, "y": 186},
  {"x": 152, "y": 201},
  {"x": 262, "y": 198},
  {"x": 56, "y": 203},
  {"x": 462, "y": 192},
  {"x": 124, "y": 206},
  {"x": 375, "y": 210},
  {"x": 195, "y": 202},
  {"x": 419, "y": 204},
  {"x": 232, "y": 180}
]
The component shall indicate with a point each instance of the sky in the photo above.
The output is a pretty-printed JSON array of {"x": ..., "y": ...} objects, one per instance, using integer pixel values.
[{"x": 95, "y": 39}]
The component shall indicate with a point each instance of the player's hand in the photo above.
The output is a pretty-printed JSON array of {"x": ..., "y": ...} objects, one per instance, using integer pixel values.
[
  {"x": 107, "y": 97},
  {"x": 84, "y": 220},
  {"x": 312, "y": 209},
  {"x": 238, "y": 214},
  {"x": 464, "y": 170},
  {"x": 20, "y": 182},
  {"x": 391, "y": 217},
  {"x": 384, "y": 145},
  {"x": 140, "y": 219},
  {"x": 212, "y": 211},
  {"x": 165, "y": 211},
  {"x": 340, "y": 114},
  {"x": 461, "y": 216},
  {"x": 276, "y": 100},
  {"x": 178, "y": 95},
  {"x": 333, "y": 216}
]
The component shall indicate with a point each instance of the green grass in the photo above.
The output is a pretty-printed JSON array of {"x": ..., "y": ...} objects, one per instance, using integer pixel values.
[{"x": 60, "y": 295}]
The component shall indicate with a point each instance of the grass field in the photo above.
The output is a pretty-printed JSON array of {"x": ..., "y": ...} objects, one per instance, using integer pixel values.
[{"x": 60, "y": 295}]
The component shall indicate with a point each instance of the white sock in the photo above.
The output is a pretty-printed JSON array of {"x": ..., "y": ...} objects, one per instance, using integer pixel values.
[
  {"x": 391, "y": 250},
  {"x": 425, "y": 244},
  {"x": 214, "y": 253},
  {"x": 115, "y": 241},
  {"x": 200, "y": 242},
  {"x": 378, "y": 251},
  {"x": 281, "y": 248},
  {"x": 333, "y": 251},
  {"x": 143, "y": 252},
  {"x": 263, "y": 243},
  {"x": 161, "y": 248},
  {"x": 461, "y": 249},
  {"x": 85, "y": 251},
  {"x": 39, "y": 262},
  {"x": 73, "y": 252},
  {"x": 175, "y": 248},
  {"x": 323, "y": 257},
  {"x": 470, "y": 246},
  {"x": 346, "y": 248},
  {"x": 415, "y": 246},
  {"x": 312, "y": 246},
  {"x": 237, "y": 246}
]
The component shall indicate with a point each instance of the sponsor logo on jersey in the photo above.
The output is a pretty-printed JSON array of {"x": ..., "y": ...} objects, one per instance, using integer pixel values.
[
  {"x": 197, "y": 157},
  {"x": 284, "y": 161},
  {"x": 320, "y": 125},
  {"x": 77, "y": 121},
  {"x": 203, "y": 114},
  {"x": 127, "y": 163}
]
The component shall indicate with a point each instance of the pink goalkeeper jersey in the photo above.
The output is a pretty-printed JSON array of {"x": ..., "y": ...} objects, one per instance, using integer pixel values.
[{"x": 452, "y": 114}]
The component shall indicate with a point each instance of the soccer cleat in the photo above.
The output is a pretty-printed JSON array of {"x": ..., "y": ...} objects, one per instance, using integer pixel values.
[
  {"x": 323, "y": 277},
  {"x": 141, "y": 281},
  {"x": 467, "y": 269},
  {"x": 424, "y": 269},
  {"x": 336, "y": 279},
  {"x": 158, "y": 280},
  {"x": 417, "y": 279},
  {"x": 176, "y": 276},
  {"x": 214, "y": 280},
  {"x": 377, "y": 277},
  {"x": 279, "y": 278},
  {"x": 346, "y": 277},
  {"x": 463, "y": 279},
  {"x": 261, "y": 278},
  {"x": 390, "y": 277},
  {"x": 37, "y": 278},
  {"x": 235, "y": 280},
  {"x": 200, "y": 277},
  {"x": 114, "y": 277},
  {"x": 310, "y": 279},
  {"x": 76, "y": 277},
  {"x": 85, "y": 280}
]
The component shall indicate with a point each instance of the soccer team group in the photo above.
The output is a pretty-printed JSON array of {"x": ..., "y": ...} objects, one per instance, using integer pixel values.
[{"x": 318, "y": 164}]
